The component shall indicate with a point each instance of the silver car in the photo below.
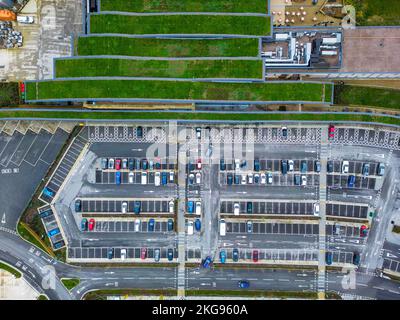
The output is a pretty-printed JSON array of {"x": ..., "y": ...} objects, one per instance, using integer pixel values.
[{"x": 156, "y": 255}]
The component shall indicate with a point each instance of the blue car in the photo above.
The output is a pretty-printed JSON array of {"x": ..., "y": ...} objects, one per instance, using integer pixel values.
[
  {"x": 222, "y": 256},
  {"x": 170, "y": 254},
  {"x": 222, "y": 165},
  {"x": 197, "y": 225},
  {"x": 243, "y": 284},
  {"x": 151, "y": 225},
  {"x": 118, "y": 177},
  {"x": 190, "y": 206},
  {"x": 59, "y": 245},
  {"x": 170, "y": 224},
  {"x": 229, "y": 179},
  {"x": 54, "y": 232},
  {"x": 237, "y": 179},
  {"x": 48, "y": 192},
  {"x": 256, "y": 165},
  {"x": 164, "y": 178},
  {"x": 144, "y": 164},
  {"x": 84, "y": 224},
  {"x": 351, "y": 181},
  {"x": 207, "y": 261},
  {"x": 328, "y": 258},
  {"x": 235, "y": 255}
]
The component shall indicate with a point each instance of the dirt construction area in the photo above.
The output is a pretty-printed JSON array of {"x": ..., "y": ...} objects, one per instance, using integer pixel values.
[
  {"x": 50, "y": 36},
  {"x": 371, "y": 50}
]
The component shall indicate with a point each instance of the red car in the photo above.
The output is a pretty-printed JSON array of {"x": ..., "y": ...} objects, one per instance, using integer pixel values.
[
  {"x": 199, "y": 164},
  {"x": 363, "y": 231},
  {"x": 143, "y": 253},
  {"x": 331, "y": 131},
  {"x": 118, "y": 164},
  {"x": 91, "y": 224},
  {"x": 255, "y": 255}
]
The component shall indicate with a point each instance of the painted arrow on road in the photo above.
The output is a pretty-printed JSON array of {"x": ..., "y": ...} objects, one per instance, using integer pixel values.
[{"x": 389, "y": 255}]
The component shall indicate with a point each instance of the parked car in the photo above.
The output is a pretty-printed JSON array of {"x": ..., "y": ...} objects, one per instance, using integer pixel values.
[
  {"x": 345, "y": 167},
  {"x": 139, "y": 132},
  {"x": 331, "y": 132},
  {"x": 317, "y": 166},
  {"x": 170, "y": 225},
  {"x": 131, "y": 164},
  {"x": 351, "y": 180},
  {"x": 229, "y": 179},
  {"x": 236, "y": 209},
  {"x": 243, "y": 284},
  {"x": 25, "y": 19},
  {"x": 328, "y": 258},
  {"x": 137, "y": 225},
  {"x": 137, "y": 164},
  {"x": 284, "y": 166},
  {"x": 157, "y": 255},
  {"x": 171, "y": 206},
  {"x": 263, "y": 178},
  {"x": 235, "y": 255},
  {"x": 255, "y": 255},
  {"x": 124, "y": 163},
  {"x": 250, "y": 178},
  {"x": 244, "y": 180},
  {"x": 249, "y": 207},
  {"x": 329, "y": 167},
  {"x": 118, "y": 177},
  {"x": 170, "y": 254},
  {"x": 198, "y": 177},
  {"x": 284, "y": 132},
  {"x": 91, "y": 224},
  {"x": 296, "y": 180},
  {"x": 237, "y": 179},
  {"x": 137, "y": 206},
  {"x": 78, "y": 205},
  {"x": 191, "y": 178},
  {"x": 356, "y": 258},
  {"x": 118, "y": 164},
  {"x": 303, "y": 166},
  {"x": 222, "y": 165},
  {"x": 222, "y": 228},
  {"x": 237, "y": 164},
  {"x": 164, "y": 178},
  {"x": 222, "y": 256},
  {"x": 144, "y": 164},
  {"x": 291, "y": 165},
  {"x": 144, "y": 178},
  {"x": 365, "y": 169},
  {"x": 110, "y": 253},
  {"x": 131, "y": 177},
  {"x": 143, "y": 253},
  {"x": 190, "y": 227},
  {"x": 381, "y": 169},
  {"x": 256, "y": 165},
  {"x": 171, "y": 177},
  {"x": 84, "y": 224},
  {"x": 207, "y": 262},
  {"x": 249, "y": 226},
  {"x": 198, "y": 208},
  {"x": 157, "y": 178},
  {"x": 190, "y": 206},
  {"x": 303, "y": 180},
  {"x": 363, "y": 231},
  {"x": 111, "y": 163},
  {"x": 104, "y": 163},
  {"x": 151, "y": 165},
  {"x": 151, "y": 225},
  {"x": 124, "y": 207},
  {"x": 198, "y": 164},
  {"x": 197, "y": 225},
  {"x": 269, "y": 178},
  {"x": 123, "y": 254},
  {"x": 198, "y": 133},
  {"x": 256, "y": 178},
  {"x": 316, "y": 209}
]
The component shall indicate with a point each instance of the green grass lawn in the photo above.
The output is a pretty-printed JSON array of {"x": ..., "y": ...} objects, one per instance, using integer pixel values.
[
  {"x": 376, "y": 12},
  {"x": 9, "y": 94},
  {"x": 42, "y": 297},
  {"x": 367, "y": 96},
  {"x": 180, "y": 24},
  {"x": 70, "y": 283},
  {"x": 256, "y": 6},
  {"x": 99, "y": 115},
  {"x": 177, "y": 90},
  {"x": 142, "y": 47},
  {"x": 252, "y": 293},
  {"x": 9, "y": 269},
  {"x": 249, "y": 69}
]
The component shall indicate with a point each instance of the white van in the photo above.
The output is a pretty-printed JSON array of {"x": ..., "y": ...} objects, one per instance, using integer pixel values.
[
  {"x": 222, "y": 227},
  {"x": 236, "y": 209},
  {"x": 190, "y": 227},
  {"x": 157, "y": 179},
  {"x": 198, "y": 208},
  {"x": 123, "y": 254},
  {"x": 144, "y": 177}
]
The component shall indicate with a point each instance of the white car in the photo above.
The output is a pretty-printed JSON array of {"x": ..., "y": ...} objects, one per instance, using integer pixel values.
[
  {"x": 244, "y": 180},
  {"x": 303, "y": 180},
  {"x": 123, "y": 254},
  {"x": 198, "y": 208},
  {"x": 190, "y": 227},
  {"x": 25, "y": 19},
  {"x": 191, "y": 178},
  {"x": 171, "y": 206},
  {"x": 270, "y": 179},
  {"x": 198, "y": 177},
  {"x": 124, "y": 207},
  {"x": 198, "y": 133},
  {"x": 236, "y": 209},
  {"x": 111, "y": 163},
  {"x": 316, "y": 209},
  {"x": 144, "y": 177},
  {"x": 263, "y": 178},
  {"x": 291, "y": 165},
  {"x": 171, "y": 176},
  {"x": 157, "y": 179},
  {"x": 131, "y": 177},
  {"x": 137, "y": 225},
  {"x": 250, "y": 178},
  {"x": 151, "y": 165},
  {"x": 345, "y": 167},
  {"x": 237, "y": 164}
]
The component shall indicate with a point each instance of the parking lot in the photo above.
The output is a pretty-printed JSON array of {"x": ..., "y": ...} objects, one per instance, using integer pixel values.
[
  {"x": 273, "y": 228},
  {"x": 131, "y": 253},
  {"x": 268, "y": 207},
  {"x": 342, "y": 181},
  {"x": 52, "y": 228},
  {"x": 392, "y": 265},
  {"x": 272, "y": 165},
  {"x": 355, "y": 167},
  {"x": 115, "y": 206},
  {"x": 126, "y": 133},
  {"x": 129, "y": 226},
  {"x": 278, "y": 179},
  {"x": 343, "y": 230},
  {"x": 347, "y": 210},
  {"x": 108, "y": 177},
  {"x": 342, "y": 257}
]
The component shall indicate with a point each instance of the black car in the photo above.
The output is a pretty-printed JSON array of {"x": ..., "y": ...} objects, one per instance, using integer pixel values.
[
  {"x": 235, "y": 255},
  {"x": 249, "y": 207},
  {"x": 317, "y": 166},
  {"x": 110, "y": 253},
  {"x": 78, "y": 205},
  {"x": 330, "y": 167},
  {"x": 131, "y": 164},
  {"x": 139, "y": 132},
  {"x": 237, "y": 179},
  {"x": 229, "y": 179},
  {"x": 170, "y": 224},
  {"x": 170, "y": 254},
  {"x": 222, "y": 165}
]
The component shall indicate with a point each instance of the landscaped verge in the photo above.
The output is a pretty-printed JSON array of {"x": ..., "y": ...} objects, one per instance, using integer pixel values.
[
  {"x": 70, "y": 283},
  {"x": 180, "y": 24},
  {"x": 102, "y": 294},
  {"x": 145, "y": 47},
  {"x": 8, "y": 268},
  {"x": 9, "y": 94},
  {"x": 174, "y": 90},
  {"x": 367, "y": 96},
  {"x": 253, "y": 293},
  {"x": 114, "y": 67},
  {"x": 254, "y": 6}
]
